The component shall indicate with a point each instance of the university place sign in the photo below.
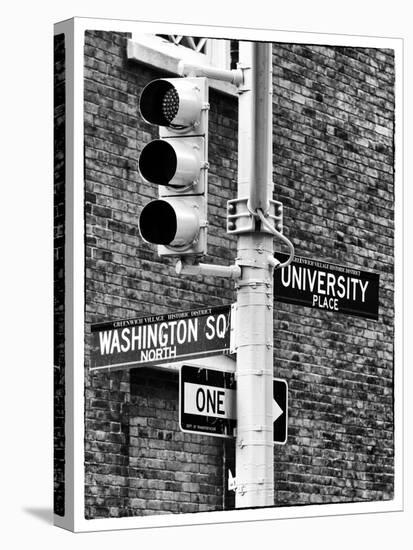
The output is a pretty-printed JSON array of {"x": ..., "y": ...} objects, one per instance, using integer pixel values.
[
  {"x": 327, "y": 286},
  {"x": 161, "y": 339}
]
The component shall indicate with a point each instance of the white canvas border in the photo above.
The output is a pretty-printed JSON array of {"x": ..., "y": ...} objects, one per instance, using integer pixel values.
[{"x": 74, "y": 276}]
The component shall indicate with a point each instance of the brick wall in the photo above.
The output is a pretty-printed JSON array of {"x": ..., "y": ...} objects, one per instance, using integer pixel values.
[
  {"x": 333, "y": 157},
  {"x": 137, "y": 459},
  {"x": 333, "y": 169},
  {"x": 59, "y": 266}
]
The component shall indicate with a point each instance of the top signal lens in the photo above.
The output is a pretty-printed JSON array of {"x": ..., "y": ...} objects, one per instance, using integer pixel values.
[
  {"x": 174, "y": 103},
  {"x": 170, "y": 104}
]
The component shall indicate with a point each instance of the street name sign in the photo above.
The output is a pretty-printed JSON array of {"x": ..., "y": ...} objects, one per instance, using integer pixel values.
[
  {"x": 327, "y": 286},
  {"x": 158, "y": 339},
  {"x": 207, "y": 403}
]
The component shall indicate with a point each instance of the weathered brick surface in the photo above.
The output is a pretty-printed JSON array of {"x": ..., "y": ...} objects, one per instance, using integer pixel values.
[
  {"x": 59, "y": 266},
  {"x": 333, "y": 158},
  {"x": 333, "y": 169},
  {"x": 137, "y": 459}
]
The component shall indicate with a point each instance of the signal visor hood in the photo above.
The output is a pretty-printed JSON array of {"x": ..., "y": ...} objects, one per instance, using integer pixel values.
[
  {"x": 171, "y": 162},
  {"x": 174, "y": 105},
  {"x": 169, "y": 222}
]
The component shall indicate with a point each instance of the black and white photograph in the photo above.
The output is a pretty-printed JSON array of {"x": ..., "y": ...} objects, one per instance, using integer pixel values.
[
  {"x": 228, "y": 243},
  {"x": 206, "y": 296}
]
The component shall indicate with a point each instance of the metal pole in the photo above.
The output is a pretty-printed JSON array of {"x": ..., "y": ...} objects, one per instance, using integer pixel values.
[
  {"x": 212, "y": 270},
  {"x": 234, "y": 76},
  {"x": 254, "y": 440},
  {"x": 262, "y": 185}
]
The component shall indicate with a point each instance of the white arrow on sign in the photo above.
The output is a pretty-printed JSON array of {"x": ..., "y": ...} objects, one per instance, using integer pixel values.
[{"x": 276, "y": 410}]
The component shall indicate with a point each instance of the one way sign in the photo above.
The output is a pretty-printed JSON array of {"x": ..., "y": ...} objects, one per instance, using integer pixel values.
[
  {"x": 280, "y": 411},
  {"x": 207, "y": 403}
]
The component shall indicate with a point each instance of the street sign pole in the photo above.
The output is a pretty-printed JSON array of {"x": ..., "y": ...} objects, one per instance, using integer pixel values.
[{"x": 254, "y": 439}]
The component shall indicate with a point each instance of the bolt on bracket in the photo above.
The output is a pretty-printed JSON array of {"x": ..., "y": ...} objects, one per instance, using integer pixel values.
[{"x": 240, "y": 219}]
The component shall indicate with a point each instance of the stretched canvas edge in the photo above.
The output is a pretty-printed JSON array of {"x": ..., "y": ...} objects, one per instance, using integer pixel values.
[{"x": 74, "y": 519}]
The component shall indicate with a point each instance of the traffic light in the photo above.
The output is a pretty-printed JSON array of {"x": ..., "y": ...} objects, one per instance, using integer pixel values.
[{"x": 177, "y": 163}]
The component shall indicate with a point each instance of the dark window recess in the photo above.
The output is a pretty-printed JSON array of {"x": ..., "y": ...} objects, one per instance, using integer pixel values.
[
  {"x": 234, "y": 53},
  {"x": 192, "y": 42},
  {"x": 200, "y": 45}
]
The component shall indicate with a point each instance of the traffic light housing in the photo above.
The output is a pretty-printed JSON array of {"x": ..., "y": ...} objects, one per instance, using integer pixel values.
[{"x": 177, "y": 163}]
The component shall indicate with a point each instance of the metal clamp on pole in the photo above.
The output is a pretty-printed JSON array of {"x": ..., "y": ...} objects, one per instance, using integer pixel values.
[
  {"x": 233, "y": 76},
  {"x": 275, "y": 263},
  {"x": 240, "y": 219},
  {"x": 230, "y": 271}
]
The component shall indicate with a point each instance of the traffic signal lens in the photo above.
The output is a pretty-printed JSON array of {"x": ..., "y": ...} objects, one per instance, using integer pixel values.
[
  {"x": 158, "y": 223},
  {"x": 177, "y": 106},
  {"x": 158, "y": 162},
  {"x": 170, "y": 104},
  {"x": 171, "y": 222},
  {"x": 159, "y": 102}
]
